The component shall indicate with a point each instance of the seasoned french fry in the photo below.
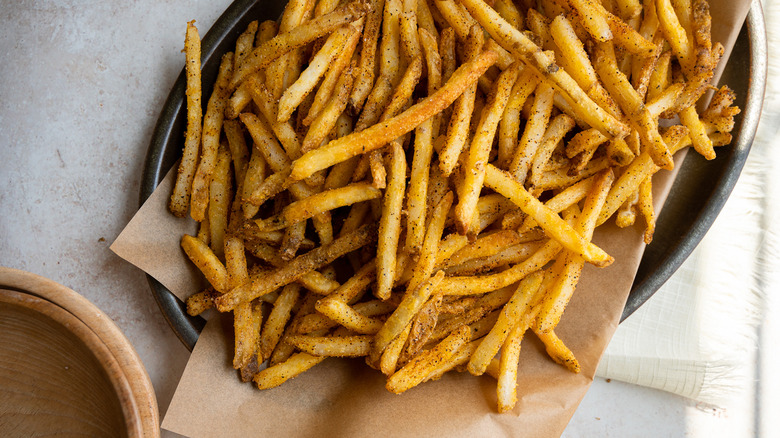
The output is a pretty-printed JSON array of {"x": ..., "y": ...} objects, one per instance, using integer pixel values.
[
  {"x": 418, "y": 186},
  {"x": 220, "y": 196},
  {"x": 275, "y": 375},
  {"x": 365, "y": 77},
  {"x": 180, "y": 199},
  {"x": 206, "y": 261},
  {"x": 320, "y": 256},
  {"x": 478, "y": 153},
  {"x": 558, "y": 350},
  {"x": 645, "y": 206},
  {"x": 390, "y": 224},
  {"x": 212, "y": 127},
  {"x": 338, "y": 346},
  {"x": 558, "y": 296},
  {"x": 319, "y": 203},
  {"x": 296, "y": 37},
  {"x": 555, "y": 226},
  {"x": 457, "y": 131},
  {"x": 533, "y": 133},
  {"x": 512, "y": 312},
  {"x": 426, "y": 362},
  {"x": 378, "y": 135},
  {"x": 294, "y": 95}
]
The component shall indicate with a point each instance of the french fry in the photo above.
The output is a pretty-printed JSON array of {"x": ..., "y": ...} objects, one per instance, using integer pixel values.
[
  {"x": 418, "y": 186},
  {"x": 556, "y": 227},
  {"x": 370, "y": 38},
  {"x": 296, "y": 37},
  {"x": 318, "y": 257},
  {"x": 558, "y": 350},
  {"x": 180, "y": 199},
  {"x": 333, "y": 346},
  {"x": 426, "y": 261},
  {"x": 277, "y": 319},
  {"x": 206, "y": 261},
  {"x": 296, "y": 364},
  {"x": 645, "y": 206},
  {"x": 319, "y": 203},
  {"x": 390, "y": 224},
  {"x": 509, "y": 126},
  {"x": 243, "y": 321},
  {"x": 220, "y": 196},
  {"x": 630, "y": 102},
  {"x": 559, "y": 127},
  {"x": 478, "y": 154},
  {"x": 212, "y": 127},
  {"x": 533, "y": 133},
  {"x": 295, "y": 93},
  {"x": 515, "y": 308},
  {"x": 378, "y": 135},
  {"x": 457, "y": 131},
  {"x": 426, "y": 362},
  {"x": 558, "y": 296}
]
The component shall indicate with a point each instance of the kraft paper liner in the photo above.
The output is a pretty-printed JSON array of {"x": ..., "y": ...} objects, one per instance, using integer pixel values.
[{"x": 344, "y": 397}]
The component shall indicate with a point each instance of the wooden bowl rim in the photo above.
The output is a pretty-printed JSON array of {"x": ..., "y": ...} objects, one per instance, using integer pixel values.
[
  {"x": 76, "y": 328},
  {"x": 145, "y": 412}
]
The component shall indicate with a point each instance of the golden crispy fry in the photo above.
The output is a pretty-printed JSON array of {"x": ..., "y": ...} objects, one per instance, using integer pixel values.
[
  {"x": 509, "y": 126},
  {"x": 199, "y": 302},
  {"x": 212, "y": 127},
  {"x": 319, "y": 203},
  {"x": 514, "y": 309},
  {"x": 419, "y": 368},
  {"x": 206, "y": 261},
  {"x": 390, "y": 224},
  {"x": 555, "y": 132},
  {"x": 378, "y": 135},
  {"x": 275, "y": 375},
  {"x": 593, "y": 18},
  {"x": 320, "y": 256},
  {"x": 180, "y": 199},
  {"x": 296, "y": 37},
  {"x": 701, "y": 141},
  {"x": 558, "y": 350},
  {"x": 458, "y": 129},
  {"x": 675, "y": 34},
  {"x": 426, "y": 261},
  {"x": 388, "y": 362},
  {"x": 277, "y": 319},
  {"x": 243, "y": 320},
  {"x": 552, "y": 223},
  {"x": 370, "y": 38},
  {"x": 533, "y": 133},
  {"x": 478, "y": 154},
  {"x": 520, "y": 45},
  {"x": 557, "y": 297},
  {"x": 338, "y": 346},
  {"x": 294, "y": 95},
  {"x": 645, "y": 206},
  {"x": 418, "y": 186}
]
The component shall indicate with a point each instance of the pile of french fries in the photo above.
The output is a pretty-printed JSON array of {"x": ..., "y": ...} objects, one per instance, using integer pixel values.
[{"x": 416, "y": 182}]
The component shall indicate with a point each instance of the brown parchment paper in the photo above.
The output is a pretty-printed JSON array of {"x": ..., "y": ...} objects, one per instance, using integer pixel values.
[{"x": 346, "y": 398}]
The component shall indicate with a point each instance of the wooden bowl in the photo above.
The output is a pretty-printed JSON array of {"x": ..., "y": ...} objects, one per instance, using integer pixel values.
[{"x": 65, "y": 368}]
